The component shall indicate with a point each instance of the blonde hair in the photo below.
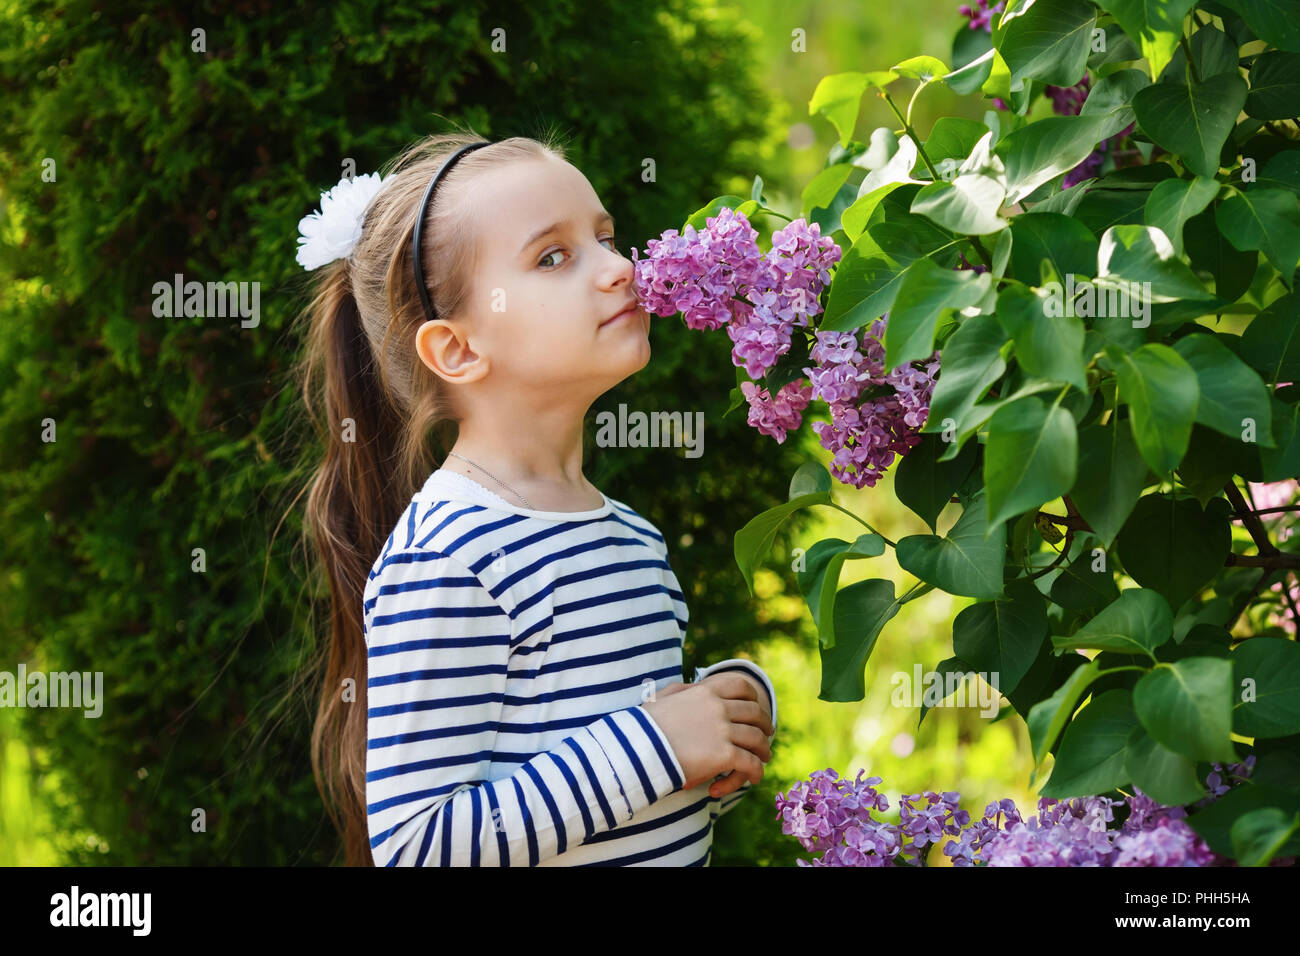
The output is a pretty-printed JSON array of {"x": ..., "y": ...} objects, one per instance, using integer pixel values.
[{"x": 359, "y": 363}]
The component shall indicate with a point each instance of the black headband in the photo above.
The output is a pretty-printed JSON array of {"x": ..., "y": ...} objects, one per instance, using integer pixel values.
[{"x": 419, "y": 225}]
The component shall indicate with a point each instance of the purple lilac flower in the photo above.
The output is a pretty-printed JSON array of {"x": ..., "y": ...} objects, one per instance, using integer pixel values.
[
  {"x": 833, "y": 817},
  {"x": 774, "y": 417},
  {"x": 718, "y": 276},
  {"x": 865, "y": 434},
  {"x": 981, "y": 16},
  {"x": 1068, "y": 100}
]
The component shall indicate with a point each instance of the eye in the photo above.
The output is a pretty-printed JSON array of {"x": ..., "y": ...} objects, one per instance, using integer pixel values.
[{"x": 614, "y": 239}]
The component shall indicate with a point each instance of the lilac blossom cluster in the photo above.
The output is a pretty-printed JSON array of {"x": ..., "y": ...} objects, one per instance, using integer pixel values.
[
  {"x": 718, "y": 277},
  {"x": 866, "y": 431},
  {"x": 832, "y": 817}
]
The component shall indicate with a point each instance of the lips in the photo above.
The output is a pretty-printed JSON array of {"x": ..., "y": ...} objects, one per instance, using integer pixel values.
[{"x": 631, "y": 306}]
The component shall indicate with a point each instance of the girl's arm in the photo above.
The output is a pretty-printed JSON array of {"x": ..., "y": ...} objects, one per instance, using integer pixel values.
[
  {"x": 438, "y": 646},
  {"x": 719, "y": 806}
]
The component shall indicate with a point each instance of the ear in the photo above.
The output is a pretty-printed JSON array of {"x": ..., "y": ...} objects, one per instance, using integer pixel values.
[{"x": 444, "y": 348}]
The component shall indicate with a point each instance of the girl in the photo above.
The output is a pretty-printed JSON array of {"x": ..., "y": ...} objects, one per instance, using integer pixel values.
[{"x": 503, "y": 684}]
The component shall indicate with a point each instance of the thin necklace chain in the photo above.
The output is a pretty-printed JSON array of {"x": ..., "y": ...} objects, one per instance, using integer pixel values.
[{"x": 496, "y": 479}]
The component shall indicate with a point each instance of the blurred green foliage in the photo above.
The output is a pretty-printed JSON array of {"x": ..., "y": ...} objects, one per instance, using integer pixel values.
[{"x": 178, "y": 434}]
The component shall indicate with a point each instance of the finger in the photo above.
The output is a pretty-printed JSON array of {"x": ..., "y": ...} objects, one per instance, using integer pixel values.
[
  {"x": 733, "y": 685},
  {"x": 728, "y": 784},
  {"x": 750, "y": 712},
  {"x": 753, "y": 740}
]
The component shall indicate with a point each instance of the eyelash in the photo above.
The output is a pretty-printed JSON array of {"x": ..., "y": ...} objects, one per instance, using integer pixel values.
[{"x": 615, "y": 238}]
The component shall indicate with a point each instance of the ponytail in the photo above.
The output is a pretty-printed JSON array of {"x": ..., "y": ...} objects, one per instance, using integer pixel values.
[{"x": 352, "y": 505}]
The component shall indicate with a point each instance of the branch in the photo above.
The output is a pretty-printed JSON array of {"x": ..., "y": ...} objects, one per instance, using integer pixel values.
[
  {"x": 1275, "y": 560},
  {"x": 1249, "y": 519}
]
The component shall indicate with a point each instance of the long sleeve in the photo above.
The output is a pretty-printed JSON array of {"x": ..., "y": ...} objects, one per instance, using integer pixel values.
[
  {"x": 438, "y": 651},
  {"x": 723, "y": 805}
]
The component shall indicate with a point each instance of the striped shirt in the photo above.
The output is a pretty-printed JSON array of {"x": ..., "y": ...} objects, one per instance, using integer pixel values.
[{"x": 509, "y": 652}]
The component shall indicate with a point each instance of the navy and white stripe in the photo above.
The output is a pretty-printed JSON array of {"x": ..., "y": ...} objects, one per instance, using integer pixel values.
[{"x": 508, "y": 654}]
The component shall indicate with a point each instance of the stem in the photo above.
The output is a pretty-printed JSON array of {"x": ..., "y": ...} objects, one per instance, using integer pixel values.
[
  {"x": 907, "y": 127},
  {"x": 1187, "y": 51},
  {"x": 983, "y": 253},
  {"x": 864, "y": 524},
  {"x": 915, "y": 93},
  {"x": 1122, "y": 667},
  {"x": 915, "y": 591}
]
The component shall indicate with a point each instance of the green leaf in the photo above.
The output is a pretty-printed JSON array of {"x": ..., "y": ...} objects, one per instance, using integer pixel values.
[
  {"x": 1263, "y": 219},
  {"x": 809, "y": 486},
  {"x": 820, "y": 581},
  {"x": 1192, "y": 120},
  {"x": 925, "y": 484},
  {"x": 1210, "y": 250},
  {"x": 1161, "y": 391},
  {"x": 868, "y": 280},
  {"x": 1165, "y": 776},
  {"x": 1092, "y": 753},
  {"x": 1260, "y": 835},
  {"x": 953, "y": 137},
  {"x": 861, "y": 611},
  {"x": 1174, "y": 201},
  {"x": 1049, "y": 41},
  {"x": 965, "y": 562},
  {"x": 1047, "y": 717},
  {"x": 1133, "y": 253},
  {"x": 1231, "y": 393},
  {"x": 1003, "y": 636},
  {"x": 1212, "y": 53},
  {"x": 1030, "y": 458},
  {"x": 1051, "y": 237},
  {"x": 1173, "y": 546},
  {"x": 1047, "y": 346},
  {"x": 1187, "y": 707},
  {"x": 1042, "y": 150},
  {"x": 970, "y": 77},
  {"x": 1112, "y": 474},
  {"x": 1114, "y": 91},
  {"x": 925, "y": 293},
  {"x": 1273, "y": 21},
  {"x": 1156, "y": 25},
  {"x": 949, "y": 665},
  {"x": 924, "y": 68},
  {"x": 1082, "y": 586},
  {"x": 1137, "y": 622},
  {"x": 1269, "y": 706},
  {"x": 1271, "y": 344},
  {"x": 854, "y": 219},
  {"x": 1274, "y": 86},
  {"x": 838, "y": 97},
  {"x": 972, "y": 362},
  {"x": 969, "y": 204},
  {"x": 1213, "y": 823}
]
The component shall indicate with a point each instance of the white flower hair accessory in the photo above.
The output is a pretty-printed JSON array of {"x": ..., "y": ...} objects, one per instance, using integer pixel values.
[{"x": 333, "y": 231}]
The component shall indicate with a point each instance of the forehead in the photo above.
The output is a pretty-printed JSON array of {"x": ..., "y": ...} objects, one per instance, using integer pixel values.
[{"x": 512, "y": 201}]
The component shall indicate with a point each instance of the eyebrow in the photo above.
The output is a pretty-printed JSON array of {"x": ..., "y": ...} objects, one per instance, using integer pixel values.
[{"x": 557, "y": 226}]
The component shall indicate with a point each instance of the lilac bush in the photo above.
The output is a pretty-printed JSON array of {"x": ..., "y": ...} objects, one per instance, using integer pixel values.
[{"x": 833, "y": 817}]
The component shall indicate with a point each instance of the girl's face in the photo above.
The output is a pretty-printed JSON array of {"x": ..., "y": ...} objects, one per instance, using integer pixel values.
[{"x": 547, "y": 278}]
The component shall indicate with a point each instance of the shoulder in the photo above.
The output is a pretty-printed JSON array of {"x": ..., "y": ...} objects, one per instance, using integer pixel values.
[{"x": 629, "y": 517}]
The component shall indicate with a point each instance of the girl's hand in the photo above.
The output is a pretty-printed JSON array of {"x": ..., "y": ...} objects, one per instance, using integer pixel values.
[
  {"x": 735, "y": 780},
  {"x": 715, "y": 727}
]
